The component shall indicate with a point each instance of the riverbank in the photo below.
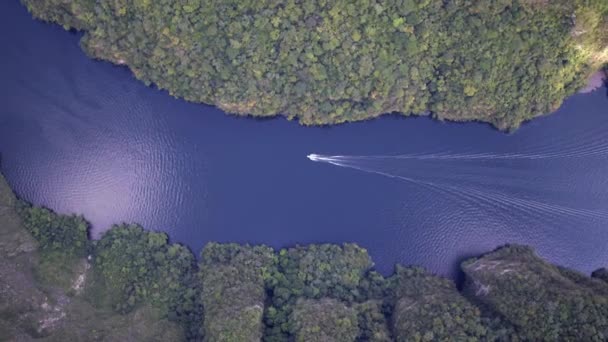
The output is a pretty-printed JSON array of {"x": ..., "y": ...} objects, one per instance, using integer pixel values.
[
  {"x": 136, "y": 284},
  {"x": 331, "y": 64}
]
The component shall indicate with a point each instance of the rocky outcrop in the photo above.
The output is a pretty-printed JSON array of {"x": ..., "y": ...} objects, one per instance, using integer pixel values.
[
  {"x": 538, "y": 300},
  {"x": 596, "y": 81},
  {"x": 30, "y": 310},
  {"x": 22, "y": 304}
]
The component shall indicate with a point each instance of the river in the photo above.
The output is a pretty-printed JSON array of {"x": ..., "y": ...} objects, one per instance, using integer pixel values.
[{"x": 83, "y": 136}]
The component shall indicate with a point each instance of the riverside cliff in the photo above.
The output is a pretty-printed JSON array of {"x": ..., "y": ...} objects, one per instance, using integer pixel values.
[{"x": 56, "y": 285}]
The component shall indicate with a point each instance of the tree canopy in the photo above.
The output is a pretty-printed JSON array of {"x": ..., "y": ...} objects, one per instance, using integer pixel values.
[
  {"x": 233, "y": 282},
  {"x": 323, "y": 62},
  {"x": 138, "y": 285}
]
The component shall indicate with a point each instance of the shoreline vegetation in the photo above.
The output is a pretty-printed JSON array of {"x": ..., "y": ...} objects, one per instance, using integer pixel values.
[
  {"x": 58, "y": 285},
  {"x": 325, "y": 62}
]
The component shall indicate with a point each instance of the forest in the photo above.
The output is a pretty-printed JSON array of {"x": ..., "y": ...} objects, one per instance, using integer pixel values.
[
  {"x": 323, "y": 62},
  {"x": 57, "y": 284}
]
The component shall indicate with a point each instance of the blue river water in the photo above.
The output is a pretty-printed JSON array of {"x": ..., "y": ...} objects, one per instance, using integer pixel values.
[{"x": 84, "y": 136}]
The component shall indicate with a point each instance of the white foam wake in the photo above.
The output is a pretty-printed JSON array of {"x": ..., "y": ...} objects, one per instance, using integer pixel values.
[{"x": 475, "y": 181}]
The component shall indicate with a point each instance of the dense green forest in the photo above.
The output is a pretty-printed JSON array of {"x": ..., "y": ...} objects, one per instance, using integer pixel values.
[
  {"x": 323, "y": 62},
  {"x": 56, "y": 284}
]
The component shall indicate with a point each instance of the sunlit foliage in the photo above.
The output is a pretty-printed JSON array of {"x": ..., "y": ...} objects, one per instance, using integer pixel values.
[
  {"x": 233, "y": 282},
  {"x": 324, "y": 320},
  {"x": 137, "y": 266},
  {"x": 314, "y": 272},
  {"x": 67, "y": 234},
  {"x": 498, "y": 61},
  {"x": 429, "y": 308},
  {"x": 314, "y": 293}
]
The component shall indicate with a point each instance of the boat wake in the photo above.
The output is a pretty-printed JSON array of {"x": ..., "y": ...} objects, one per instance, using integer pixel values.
[{"x": 508, "y": 181}]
